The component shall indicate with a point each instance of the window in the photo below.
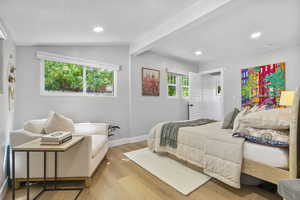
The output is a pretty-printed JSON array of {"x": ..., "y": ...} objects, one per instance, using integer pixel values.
[
  {"x": 178, "y": 84},
  {"x": 172, "y": 84},
  {"x": 185, "y": 88},
  {"x": 77, "y": 79},
  {"x": 63, "y": 77},
  {"x": 99, "y": 81}
]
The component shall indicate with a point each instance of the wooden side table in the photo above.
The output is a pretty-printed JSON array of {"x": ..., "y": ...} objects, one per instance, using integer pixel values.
[{"x": 35, "y": 146}]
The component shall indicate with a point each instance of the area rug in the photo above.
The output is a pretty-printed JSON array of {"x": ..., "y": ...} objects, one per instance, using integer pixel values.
[{"x": 175, "y": 174}]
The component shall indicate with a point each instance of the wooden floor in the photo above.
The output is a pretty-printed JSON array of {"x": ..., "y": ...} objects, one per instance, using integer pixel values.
[{"x": 117, "y": 178}]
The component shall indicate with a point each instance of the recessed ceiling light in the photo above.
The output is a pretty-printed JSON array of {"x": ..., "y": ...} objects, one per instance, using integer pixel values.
[
  {"x": 198, "y": 53},
  {"x": 255, "y": 35},
  {"x": 98, "y": 29}
]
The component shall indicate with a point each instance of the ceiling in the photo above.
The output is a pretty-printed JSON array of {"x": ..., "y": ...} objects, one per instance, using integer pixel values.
[
  {"x": 36, "y": 22},
  {"x": 226, "y": 31}
]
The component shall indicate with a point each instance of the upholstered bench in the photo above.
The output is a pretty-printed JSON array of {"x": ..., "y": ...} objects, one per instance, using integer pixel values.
[{"x": 289, "y": 189}]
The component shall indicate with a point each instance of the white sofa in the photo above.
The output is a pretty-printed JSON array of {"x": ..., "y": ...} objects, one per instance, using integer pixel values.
[{"x": 78, "y": 163}]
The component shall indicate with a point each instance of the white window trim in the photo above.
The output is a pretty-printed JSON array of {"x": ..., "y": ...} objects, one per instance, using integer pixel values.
[
  {"x": 78, "y": 61},
  {"x": 43, "y": 92},
  {"x": 3, "y": 34},
  {"x": 177, "y": 85},
  {"x": 170, "y": 84},
  {"x": 185, "y": 86}
]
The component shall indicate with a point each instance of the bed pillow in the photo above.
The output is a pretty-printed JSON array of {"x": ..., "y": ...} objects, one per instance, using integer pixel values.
[
  {"x": 227, "y": 123},
  {"x": 236, "y": 123},
  {"x": 35, "y": 126},
  {"x": 268, "y": 119},
  {"x": 270, "y": 137},
  {"x": 58, "y": 122}
]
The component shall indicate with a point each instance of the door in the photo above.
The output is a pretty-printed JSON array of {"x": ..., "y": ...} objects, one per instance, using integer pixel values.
[
  {"x": 205, "y": 101},
  {"x": 195, "y": 96}
]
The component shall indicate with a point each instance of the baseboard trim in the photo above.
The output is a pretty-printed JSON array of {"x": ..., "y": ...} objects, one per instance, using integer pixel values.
[
  {"x": 3, "y": 189},
  {"x": 122, "y": 141}
]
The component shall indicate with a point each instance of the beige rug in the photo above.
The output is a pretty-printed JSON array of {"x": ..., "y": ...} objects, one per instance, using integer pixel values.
[{"x": 175, "y": 174}]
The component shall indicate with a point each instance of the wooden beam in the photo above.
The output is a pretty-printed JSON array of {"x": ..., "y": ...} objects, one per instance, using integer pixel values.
[{"x": 183, "y": 18}]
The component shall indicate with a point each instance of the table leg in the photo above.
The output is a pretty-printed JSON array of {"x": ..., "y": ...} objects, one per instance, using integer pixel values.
[
  {"x": 45, "y": 168},
  {"x": 55, "y": 170},
  {"x": 13, "y": 176},
  {"x": 28, "y": 175}
]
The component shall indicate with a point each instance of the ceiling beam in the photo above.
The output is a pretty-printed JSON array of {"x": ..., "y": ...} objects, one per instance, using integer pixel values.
[
  {"x": 3, "y": 34},
  {"x": 183, "y": 18}
]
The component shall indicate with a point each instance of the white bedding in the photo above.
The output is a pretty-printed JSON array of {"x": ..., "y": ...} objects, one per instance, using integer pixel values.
[
  {"x": 272, "y": 156},
  {"x": 217, "y": 152}
]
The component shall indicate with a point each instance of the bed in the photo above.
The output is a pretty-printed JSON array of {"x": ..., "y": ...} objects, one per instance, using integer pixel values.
[{"x": 268, "y": 163}]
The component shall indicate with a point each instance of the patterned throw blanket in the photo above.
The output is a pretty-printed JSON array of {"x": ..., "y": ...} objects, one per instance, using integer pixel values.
[{"x": 169, "y": 131}]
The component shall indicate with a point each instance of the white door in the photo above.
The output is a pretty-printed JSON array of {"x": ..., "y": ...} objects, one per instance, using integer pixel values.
[
  {"x": 204, "y": 100},
  {"x": 195, "y": 96}
]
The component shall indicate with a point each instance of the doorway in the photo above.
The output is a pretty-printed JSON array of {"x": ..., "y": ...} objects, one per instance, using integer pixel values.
[{"x": 206, "y": 99}]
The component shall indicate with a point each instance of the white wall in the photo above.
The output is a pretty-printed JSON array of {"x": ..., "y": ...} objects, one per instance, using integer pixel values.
[
  {"x": 147, "y": 111},
  {"x": 6, "y": 117},
  {"x": 31, "y": 105},
  {"x": 232, "y": 73}
]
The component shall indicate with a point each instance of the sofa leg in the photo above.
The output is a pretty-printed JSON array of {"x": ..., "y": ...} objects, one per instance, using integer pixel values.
[{"x": 87, "y": 182}]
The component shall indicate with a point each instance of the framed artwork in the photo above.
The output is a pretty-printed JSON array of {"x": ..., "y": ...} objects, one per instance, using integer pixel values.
[
  {"x": 150, "y": 82},
  {"x": 263, "y": 84}
]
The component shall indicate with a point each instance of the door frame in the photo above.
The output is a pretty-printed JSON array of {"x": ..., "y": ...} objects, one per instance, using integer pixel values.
[{"x": 221, "y": 70}]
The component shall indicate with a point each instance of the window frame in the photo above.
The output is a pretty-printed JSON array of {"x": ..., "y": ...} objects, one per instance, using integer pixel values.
[
  {"x": 171, "y": 84},
  {"x": 178, "y": 86},
  {"x": 84, "y": 93},
  {"x": 185, "y": 86}
]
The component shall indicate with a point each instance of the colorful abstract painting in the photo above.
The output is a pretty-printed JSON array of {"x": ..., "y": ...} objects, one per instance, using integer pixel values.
[{"x": 263, "y": 84}]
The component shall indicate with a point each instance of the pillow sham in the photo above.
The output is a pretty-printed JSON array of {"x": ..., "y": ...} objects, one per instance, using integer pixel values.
[
  {"x": 58, "y": 122},
  {"x": 227, "y": 123},
  {"x": 270, "y": 137},
  {"x": 35, "y": 126},
  {"x": 236, "y": 123},
  {"x": 268, "y": 119}
]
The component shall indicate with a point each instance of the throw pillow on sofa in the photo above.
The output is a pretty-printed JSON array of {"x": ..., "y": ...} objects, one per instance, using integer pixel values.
[
  {"x": 35, "y": 126},
  {"x": 58, "y": 122}
]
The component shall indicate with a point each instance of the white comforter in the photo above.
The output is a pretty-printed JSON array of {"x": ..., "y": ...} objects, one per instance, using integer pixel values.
[{"x": 207, "y": 146}]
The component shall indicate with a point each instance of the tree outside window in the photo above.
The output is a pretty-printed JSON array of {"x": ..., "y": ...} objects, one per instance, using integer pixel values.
[
  {"x": 172, "y": 84},
  {"x": 73, "y": 78}
]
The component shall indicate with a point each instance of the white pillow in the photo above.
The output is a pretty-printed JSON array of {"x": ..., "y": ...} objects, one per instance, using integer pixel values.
[
  {"x": 35, "y": 126},
  {"x": 236, "y": 123},
  {"x": 268, "y": 119},
  {"x": 57, "y": 122}
]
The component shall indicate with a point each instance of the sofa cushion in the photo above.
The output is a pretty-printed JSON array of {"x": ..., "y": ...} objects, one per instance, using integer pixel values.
[
  {"x": 98, "y": 142},
  {"x": 35, "y": 126},
  {"x": 91, "y": 128},
  {"x": 58, "y": 122}
]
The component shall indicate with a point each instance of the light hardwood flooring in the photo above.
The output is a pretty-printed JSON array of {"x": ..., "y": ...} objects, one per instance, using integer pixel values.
[{"x": 117, "y": 178}]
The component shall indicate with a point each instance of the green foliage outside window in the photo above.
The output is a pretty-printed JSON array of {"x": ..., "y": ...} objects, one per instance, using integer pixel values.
[
  {"x": 99, "y": 81},
  {"x": 172, "y": 91},
  {"x": 171, "y": 85},
  {"x": 63, "y": 77},
  {"x": 184, "y": 86}
]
